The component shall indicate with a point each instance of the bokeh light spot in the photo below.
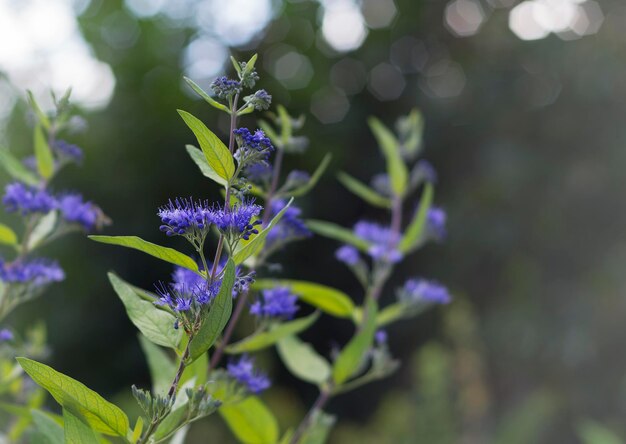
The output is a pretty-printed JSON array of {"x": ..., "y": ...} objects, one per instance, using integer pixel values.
[{"x": 386, "y": 82}]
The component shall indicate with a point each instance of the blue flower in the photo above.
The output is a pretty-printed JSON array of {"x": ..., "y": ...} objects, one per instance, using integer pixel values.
[
  {"x": 184, "y": 280},
  {"x": 239, "y": 219},
  {"x": 244, "y": 372},
  {"x": 224, "y": 88},
  {"x": 348, "y": 255},
  {"x": 68, "y": 151},
  {"x": 258, "y": 172},
  {"x": 6, "y": 335},
  {"x": 436, "y": 223},
  {"x": 289, "y": 227},
  {"x": 26, "y": 200},
  {"x": 380, "y": 337},
  {"x": 74, "y": 209},
  {"x": 253, "y": 147},
  {"x": 261, "y": 100},
  {"x": 382, "y": 239},
  {"x": 277, "y": 302},
  {"x": 422, "y": 290},
  {"x": 424, "y": 171},
  {"x": 38, "y": 272},
  {"x": 184, "y": 216}
]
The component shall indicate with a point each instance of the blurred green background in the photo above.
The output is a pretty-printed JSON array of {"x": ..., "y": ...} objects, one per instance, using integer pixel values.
[{"x": 524, "y": 105}]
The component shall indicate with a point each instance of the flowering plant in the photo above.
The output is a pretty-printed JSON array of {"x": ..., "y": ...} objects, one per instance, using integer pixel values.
[
  {"x": 45, "y": 216},
  {"x": 185, "y": 321}
]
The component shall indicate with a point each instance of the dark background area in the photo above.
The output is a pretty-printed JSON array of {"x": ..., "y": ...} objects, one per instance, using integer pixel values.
[{"x": 528, "y": 140}]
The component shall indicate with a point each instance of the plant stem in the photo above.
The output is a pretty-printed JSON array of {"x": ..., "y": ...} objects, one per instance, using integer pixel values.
[
  {"x": 319, "y": 404},
  {"x": 219, "y": 351}
]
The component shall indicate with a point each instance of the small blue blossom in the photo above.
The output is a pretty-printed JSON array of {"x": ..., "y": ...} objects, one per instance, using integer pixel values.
[
  {"x": 38, "y": 272},
  {"x": 384, "y": 241},
  {"x": 260, "y": 100},
  {"x": 296, "y": 178},
  {"x": 74, "y": 209},
  {"x": 258, "y": 172},
  {"x": 380, "y": 337},
  {"x": 6, "y": 335},
  {"x": 289, "y": 227},
  {"x": 184, "y": 280},
  {"x": 224, "y": 88},
  {"x": 68, "y": 151},
  {"x": 244, "y": 372},
  {"x": 26, "y": 200},
  {"x": 424, "y": 171},
  {"x": 276, "y": 302},
  {"x": 422, "y": 290},
  {"x": 348, "y": 255},
  {"x": 436, "y": 223},
  {"x": 184, "y": 216},
  {"x": 253, "y": 147},
  {"x": 239, "y": 219}
]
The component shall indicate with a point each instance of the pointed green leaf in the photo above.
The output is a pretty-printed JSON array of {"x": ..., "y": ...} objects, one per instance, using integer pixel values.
[
  {"x": 302, "y": 360},
  {"x": 45, "y": 226},
  {"x": 43, "y": 118},
  {"x": 251, "y": 421},
  {"x": 255, "y": 245},
  {"x": 198, "y": 157},
  {"x": 43, "y": 154},
  {"x": 349, "y": 360},
  {"x": 74, "y": 396},
  {"x": 300, "y": 191},
  {"x": 415, "y": 229},
  {"x": 162, "y": 369},
  {"x": 327, "y": 299},
  {"x": 16, "y": 169},
  {"x": 216, "y": 153},
  {"x": 391, "y": 313},
  {"x": 51, "y": 432},
  {"x": 7, "y": 235},
  {"x": 76, "y": 431},
  {"x": 164, "y": 253},
  {"x": 334, "y": 231},
  {"x": 363, "y": 191},
  {"x": 317, "y": 433},
  {"x": 210, "y": 100},
  {"x": 265, "y": 339},
  {"x": 389, "y": 145},
  {"x": 218, "y": 315},
  {"x": 236, "y": 65},
  {"x": 156, "y": 325}
]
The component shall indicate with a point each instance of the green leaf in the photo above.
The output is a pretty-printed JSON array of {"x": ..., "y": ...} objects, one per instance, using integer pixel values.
[
  {"x": 164, "y": 253},
  {"x": 590, "y": 432},
  {"x": 16, "y": 169},
  {"x": 285, "y": 124},
  {"x": 363, "y": 191},
  {"x": 327, "y": 299},
  {"x": 349, "y": 360},
  {"x": 236, "y": 65},
  {"x": 255, "y": 245},
  {"x": 334, "y": 231},
  {"x": 43, "y": 154},
  {"x": 51, "y": 431},
  {"x": 265, "y": 339},
  {"x": 198, "y": 157},
  {"x": 216, "y": 153},
  {"x": 415, "y": 230},
  {"x": 7, "y": 235},
  {"x": 100, "y": 414},
  {"x": 251, "y": 421},
  {"x": 45, "y": 226},
  {"x": 76, "y": 431},
  {"x": 43, "y": 118},
  {"x": 218, "y": 315},
  {"x": 156, "y": 325},
  {"x": 317, "y": 174},
  {"x": 389, "y": 145},
  {"x": 317, "y": 433},
  {"x": 162, "y": 369},
  {"x": 303, "y": 361},
  {"x": 210, "y": 100},
  {"x": 390, "y": 313}
]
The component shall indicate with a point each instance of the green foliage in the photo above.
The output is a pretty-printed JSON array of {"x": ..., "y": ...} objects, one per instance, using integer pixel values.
[
  {"x": 43, "y": 118},
  {"x": 321, "y": 423},
  {"x": 265, "y": 339},
  {"x": 76, "y": 431},
  {"x": 333, "y": 231},
  {"x": 363, "y": 191},
  {"x": 303, "y": 361},
  {"x": 390, "y": 147},
  {"x": 45, "y": 226},
  {"x": 205, "y": 96},
  {"x": 415, "y": 230},
  {"x": 590, "y": 432},
  {"x": 216, "y": 153},
  {"x": 218, "y": 315},
  {"x": 251, "y": 421},
  {"x": 199, "y": 158},
  {"x": 43, "y": 154},
  {"x": 315, "y": 177},
  {"x": 162, "y": 369},
  {"x": 327, "y": 299},
  {"x": 48, "y": 430},
  {"x": 7, "y": 235},
  {"x": 101, "y": 415},
  {"x": 164, "y": 253},
  {"x": 16, "y": 169},
  {"x": 156, "y": 325}
]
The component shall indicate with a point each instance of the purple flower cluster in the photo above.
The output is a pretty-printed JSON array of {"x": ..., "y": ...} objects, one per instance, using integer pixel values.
[
  {"x": 185, "y": 293},
  {"x": 276, "y": 302},
  {"x": 436, "y": 223},
  {"x": 347, "y": 254},
  {"x": 38, "y": 272},
  {"x": 258, "y": 172},
  {"x": 238, "y": 219},
  {"x": 382, "y": 239},
  {"x": 6, "y": 335},
  {"x": 74, "y": 209},
  {"x": 24, "y": 199},
  {"x": 260, "y": 100},
  {"x": 289, "y": 227},
  {"x": 422, "y": 290},
  {"x": 244, "y": 372},
  {"x": 68, "y": 151},
  {"x": 183, "y": 216},
  {"x": 253, "y": 147},
  {"x": 224, "y": 88}
]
